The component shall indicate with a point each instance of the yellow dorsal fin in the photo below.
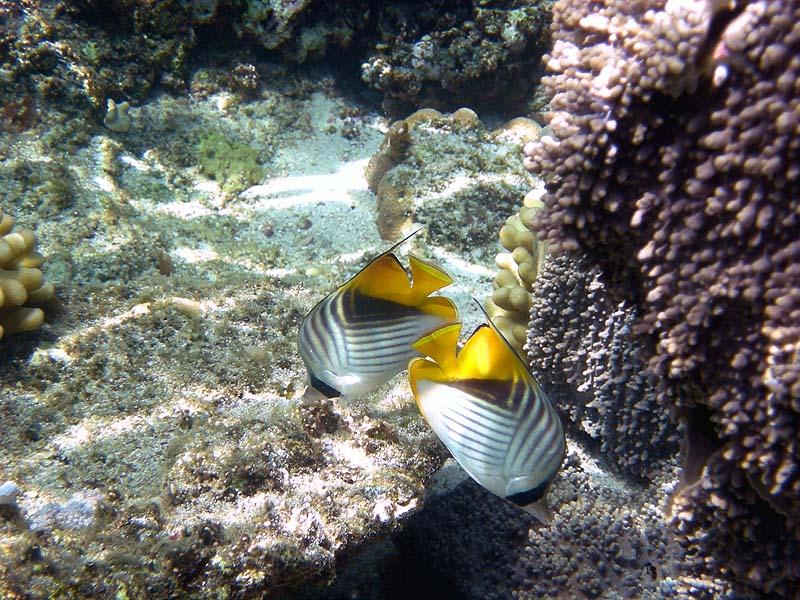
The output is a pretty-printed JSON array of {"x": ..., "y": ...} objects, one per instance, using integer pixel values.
[
  {"x": 440, "y": 345},
  {"x": 486, "y": 355},
  {"x": 426, "y": 277},
  {"x": 423, "y": 369},
  {"x": 384, "y": 277}
]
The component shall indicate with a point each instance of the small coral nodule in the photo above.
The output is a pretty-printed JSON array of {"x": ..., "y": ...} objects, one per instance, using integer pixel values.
[
  {"x": 21, "y": 282},
  {"x": 117, "y": 118}
]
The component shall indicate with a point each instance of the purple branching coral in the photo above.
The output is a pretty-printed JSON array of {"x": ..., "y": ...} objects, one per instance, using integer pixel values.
[
  {"x": 582, "y": 347},
  {"x": 674, "y": 167}
]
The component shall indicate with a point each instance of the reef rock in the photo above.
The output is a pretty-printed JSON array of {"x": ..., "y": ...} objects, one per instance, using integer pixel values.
[
  {"x": 449, "y": 173},
  {"x": 434, "y": 55}
]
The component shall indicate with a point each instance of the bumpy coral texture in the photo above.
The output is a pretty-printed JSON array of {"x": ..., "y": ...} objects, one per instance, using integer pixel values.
[
  {"x": 582, "y": 348},
  {"x": 606, "y": 538},
  {"x": 510, "y": 303},
  {"x": 674, "y": 166},
  {"x": 22, "y": 284}
]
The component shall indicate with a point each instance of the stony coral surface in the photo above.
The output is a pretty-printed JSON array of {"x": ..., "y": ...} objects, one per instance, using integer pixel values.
[{"x": 674, "y": 167}]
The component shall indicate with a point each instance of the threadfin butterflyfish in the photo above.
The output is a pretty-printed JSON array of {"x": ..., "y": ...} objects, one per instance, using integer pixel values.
[
  {"x": 487, "y": 408},
  {"x": 360, "y": 335}
]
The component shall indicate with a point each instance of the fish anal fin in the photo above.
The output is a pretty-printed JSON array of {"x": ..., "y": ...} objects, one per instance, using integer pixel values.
[
  {"x": 440, "y": 345},
  {"x": 426, "y": 277},
  {"x": 383, "y": 278}
]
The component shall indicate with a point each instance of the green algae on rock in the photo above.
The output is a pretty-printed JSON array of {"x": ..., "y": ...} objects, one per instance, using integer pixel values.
[{"x": 234, "y": 165}]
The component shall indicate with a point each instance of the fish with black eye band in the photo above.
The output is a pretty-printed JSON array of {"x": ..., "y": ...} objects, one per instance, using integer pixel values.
[
  {"x": 362, "y": 334},
  {"x": 490, "y": 412}
]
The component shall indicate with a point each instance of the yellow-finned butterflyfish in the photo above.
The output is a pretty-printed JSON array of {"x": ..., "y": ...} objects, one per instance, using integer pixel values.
[
  {"x": 361, "y": 335},
  {"x": 490, "y": 412}
]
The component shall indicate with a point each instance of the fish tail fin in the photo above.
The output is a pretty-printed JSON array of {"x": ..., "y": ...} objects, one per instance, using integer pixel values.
[
  {"x": 540, "y": 511},
  {"x": 441, "y": 307},
  {"x": 440, "y": 344}
]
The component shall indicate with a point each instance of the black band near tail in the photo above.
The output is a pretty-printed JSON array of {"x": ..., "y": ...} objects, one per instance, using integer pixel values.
[
  {"x": 323, "y": 388},
  {"x": 530, "y": 496}
]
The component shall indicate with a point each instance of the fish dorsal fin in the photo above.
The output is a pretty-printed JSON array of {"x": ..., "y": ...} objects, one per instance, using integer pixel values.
[
  {"x": 487, "y": 355},
  {"x": 384, "y": 277},
  {"x": 440, "y": 344},
  {"x": 426, "y": 277}
]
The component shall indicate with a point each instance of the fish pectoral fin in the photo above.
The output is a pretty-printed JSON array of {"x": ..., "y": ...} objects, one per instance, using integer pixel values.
[
  {"x": 486, "y": 355},
  {"x": 383, "y": 278},
  {"x": 426, "y": 277},
  {"x": 440, "y": 345}
]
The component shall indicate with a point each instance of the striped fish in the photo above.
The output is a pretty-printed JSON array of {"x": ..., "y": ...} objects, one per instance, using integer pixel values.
[
  {"x": 491, "y": 414},
  {"x": 361, "y": 335}
]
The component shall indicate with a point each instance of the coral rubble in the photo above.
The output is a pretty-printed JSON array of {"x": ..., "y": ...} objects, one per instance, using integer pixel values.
[{"x": 674, "y": 168}]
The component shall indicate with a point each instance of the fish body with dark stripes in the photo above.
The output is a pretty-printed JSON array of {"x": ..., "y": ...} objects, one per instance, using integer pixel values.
[
  {"x": 490, "y": 412},
  {"x": 360, "y": 335}
]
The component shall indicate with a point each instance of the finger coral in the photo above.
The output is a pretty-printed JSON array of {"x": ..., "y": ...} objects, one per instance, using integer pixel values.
[
  {"x": 510, "y": 303},
  {"x": 22, "y": 284},
  {"x": 674, "y": 167}
]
